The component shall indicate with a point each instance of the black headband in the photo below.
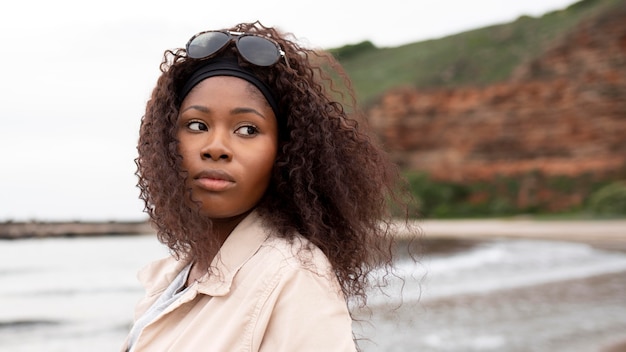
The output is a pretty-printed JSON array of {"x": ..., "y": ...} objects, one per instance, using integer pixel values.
[{"x": 227, "y": 67}]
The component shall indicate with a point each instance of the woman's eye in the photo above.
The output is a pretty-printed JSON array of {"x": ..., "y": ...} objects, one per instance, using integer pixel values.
[
  {"x": 197, "y": 126},
  {"x": 247, "y": 130}
]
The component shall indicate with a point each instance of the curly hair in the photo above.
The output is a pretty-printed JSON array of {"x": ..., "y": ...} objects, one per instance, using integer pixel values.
[{"x": 331, "y": 182}]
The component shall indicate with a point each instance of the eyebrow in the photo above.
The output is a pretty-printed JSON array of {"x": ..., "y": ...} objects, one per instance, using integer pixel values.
[
  {"x": 246, "y": 111},
  {"x": 199, "y": 108},
  {"x": 234, "y": 111}
]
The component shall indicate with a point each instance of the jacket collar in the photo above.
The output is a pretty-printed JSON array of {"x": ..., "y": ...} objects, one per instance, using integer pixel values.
[{"x": 243, "y": 242}]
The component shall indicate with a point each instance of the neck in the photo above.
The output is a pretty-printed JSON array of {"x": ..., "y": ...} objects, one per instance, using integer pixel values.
[{"x": 222, "y": 228}]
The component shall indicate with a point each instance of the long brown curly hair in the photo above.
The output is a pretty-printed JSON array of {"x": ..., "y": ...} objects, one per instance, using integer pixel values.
[{"x": 331, "y": 183}]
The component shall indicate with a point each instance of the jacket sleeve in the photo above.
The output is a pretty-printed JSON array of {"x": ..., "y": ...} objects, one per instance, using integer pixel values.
[{"x": 307, "y": 312}]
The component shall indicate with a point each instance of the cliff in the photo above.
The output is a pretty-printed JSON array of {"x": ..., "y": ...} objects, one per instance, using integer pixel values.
[{"x": 562, "y": 113}]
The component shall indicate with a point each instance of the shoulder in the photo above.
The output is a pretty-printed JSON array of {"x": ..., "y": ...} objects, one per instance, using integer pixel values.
[
  {"x": 295, "y": 254},
  {"x": 298, "y": 273},
  {"x": 281, "y": 262},
  {"x": 302, "y": 306}
]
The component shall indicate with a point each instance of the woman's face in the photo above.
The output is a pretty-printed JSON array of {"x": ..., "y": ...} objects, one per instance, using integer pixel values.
[{"x": 228, "y": 139}]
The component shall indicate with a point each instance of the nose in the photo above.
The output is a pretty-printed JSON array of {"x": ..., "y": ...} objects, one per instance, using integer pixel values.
[{"x": 216, "y": 146}]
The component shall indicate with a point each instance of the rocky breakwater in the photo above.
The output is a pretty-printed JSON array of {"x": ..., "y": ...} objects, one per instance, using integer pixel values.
[
  {"x": 562, "y": 113},
  {"x": 38, "y": 229}
]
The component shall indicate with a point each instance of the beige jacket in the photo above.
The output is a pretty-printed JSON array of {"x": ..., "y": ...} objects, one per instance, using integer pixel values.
[{"x": 269, "y": 297}]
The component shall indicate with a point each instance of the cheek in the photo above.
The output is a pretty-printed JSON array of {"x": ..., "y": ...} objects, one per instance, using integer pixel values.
[
  {"x": 185, "y": 150},
  {"x": 183, "y": 160},
  {"x": 265, "y": 165},
  {"x": 186, "y": 167}
]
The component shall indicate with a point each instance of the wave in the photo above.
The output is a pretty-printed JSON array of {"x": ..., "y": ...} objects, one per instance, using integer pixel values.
[{"x": 498, "y": 265}]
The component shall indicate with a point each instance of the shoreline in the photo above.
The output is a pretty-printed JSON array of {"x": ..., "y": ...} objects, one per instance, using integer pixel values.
[{"x": 607, "y": 234}]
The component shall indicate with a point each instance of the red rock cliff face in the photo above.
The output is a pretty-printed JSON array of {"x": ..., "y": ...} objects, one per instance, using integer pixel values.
[{"x": 563, "y": 113}]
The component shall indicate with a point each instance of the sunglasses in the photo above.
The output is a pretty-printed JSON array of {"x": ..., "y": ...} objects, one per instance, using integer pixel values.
[{"x": 255, "y": 49}]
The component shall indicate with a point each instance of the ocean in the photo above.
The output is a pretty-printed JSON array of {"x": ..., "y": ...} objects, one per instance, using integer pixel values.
[{"x": 78, "y": 294}]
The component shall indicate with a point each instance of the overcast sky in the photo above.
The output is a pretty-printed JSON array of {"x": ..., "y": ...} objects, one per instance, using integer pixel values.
[{"x": 77, "y": 74}]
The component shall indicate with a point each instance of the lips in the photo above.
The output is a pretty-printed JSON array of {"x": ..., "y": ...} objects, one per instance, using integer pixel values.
[{"x": 214, "y": 180}]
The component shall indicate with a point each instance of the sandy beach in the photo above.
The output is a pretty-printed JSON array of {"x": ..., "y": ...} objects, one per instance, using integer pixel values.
[{"x": 607, "y": 234}]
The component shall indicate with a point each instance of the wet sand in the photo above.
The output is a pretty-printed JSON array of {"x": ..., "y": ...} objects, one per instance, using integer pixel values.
[
  {"x": 446, "y": 236},
  {"x": 583, "y": 315}
]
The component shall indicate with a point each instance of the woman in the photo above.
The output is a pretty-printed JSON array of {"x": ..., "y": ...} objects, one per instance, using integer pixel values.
[{"x": 272, "y": 200}]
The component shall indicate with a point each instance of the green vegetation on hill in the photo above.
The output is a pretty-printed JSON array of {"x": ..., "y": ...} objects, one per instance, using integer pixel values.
[
  {"x": 476, "y": 57},
  {"x": 503, "y": 196}
]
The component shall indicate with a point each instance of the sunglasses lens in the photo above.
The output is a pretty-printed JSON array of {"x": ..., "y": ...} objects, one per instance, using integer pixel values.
[
  {"x": 258, "y": 50},
  {"x": 206, "y": 44}
]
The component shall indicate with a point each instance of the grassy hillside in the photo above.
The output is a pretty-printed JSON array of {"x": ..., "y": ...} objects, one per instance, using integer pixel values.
[{"x": 476, "y": 57}]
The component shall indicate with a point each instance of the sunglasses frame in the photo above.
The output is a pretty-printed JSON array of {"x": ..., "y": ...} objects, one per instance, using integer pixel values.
[{"x": 236, "y": 36}]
